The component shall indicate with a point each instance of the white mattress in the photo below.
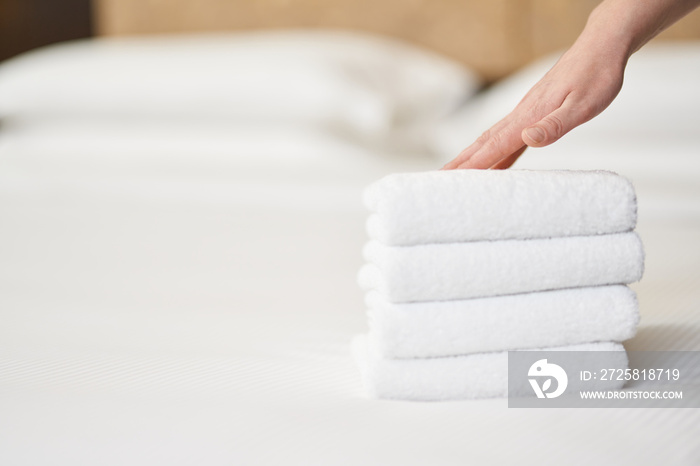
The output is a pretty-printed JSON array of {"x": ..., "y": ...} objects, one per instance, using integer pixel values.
[{"x": 201, "y": 313}]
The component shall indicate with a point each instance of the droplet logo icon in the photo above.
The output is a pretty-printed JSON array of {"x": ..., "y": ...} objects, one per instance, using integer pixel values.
[{"x": 542, "y": 370}]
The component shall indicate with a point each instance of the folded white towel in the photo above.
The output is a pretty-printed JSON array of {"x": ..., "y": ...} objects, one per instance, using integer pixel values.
[
  {"x": 471, "y": 205},
  {"x": 437, "y": 272},
  {"x": 531, "y": 320},
  {"x": 481, "y": 375}
]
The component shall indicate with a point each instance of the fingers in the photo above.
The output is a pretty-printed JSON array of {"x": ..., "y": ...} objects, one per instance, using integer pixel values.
[
  {"x": 501, "y": 146},
  {"x": 501, "y": 140},
  {"x": 510, "y": 160},
  {"x": 553, "y": 126},
  {"x": 467, "y": 153},
  {"x": 576, "y": 89},
  {"x": 491, "y": 147},
  {"x": 462, "y": 157}
]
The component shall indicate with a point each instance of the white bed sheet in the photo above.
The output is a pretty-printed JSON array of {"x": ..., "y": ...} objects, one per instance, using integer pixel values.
[{"x": 202, "y": 314}]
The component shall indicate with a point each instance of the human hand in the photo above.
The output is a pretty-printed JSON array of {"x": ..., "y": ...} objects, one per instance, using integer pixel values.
[{"x": 581, "y": 84}]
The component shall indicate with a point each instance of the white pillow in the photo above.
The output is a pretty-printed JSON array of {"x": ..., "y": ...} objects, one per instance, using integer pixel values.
[{"x": 342, "y": 80}]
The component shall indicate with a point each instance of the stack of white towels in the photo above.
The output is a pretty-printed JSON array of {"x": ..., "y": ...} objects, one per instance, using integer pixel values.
[{"x": 465, "y": 265}]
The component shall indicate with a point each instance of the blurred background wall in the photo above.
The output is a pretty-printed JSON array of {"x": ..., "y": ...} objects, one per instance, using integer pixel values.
[
  {"x": 495, "y": 37},
  {"x": 27, "y": 24}
]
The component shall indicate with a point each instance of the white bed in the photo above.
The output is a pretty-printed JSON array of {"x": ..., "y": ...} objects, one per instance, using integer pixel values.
[{"x": 180, "y": 289}]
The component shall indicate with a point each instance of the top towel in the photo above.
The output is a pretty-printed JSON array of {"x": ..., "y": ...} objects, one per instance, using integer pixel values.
[{"x": 476, "y": 205}]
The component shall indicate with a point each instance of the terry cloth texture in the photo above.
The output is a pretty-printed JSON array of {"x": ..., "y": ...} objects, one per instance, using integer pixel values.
[
  {"x": 463, "y": 266},
  {"x": 438, "y": 272},
  {"x": 532, "y": 320},
  {"x": 482, "y": 375},
  {"x": 473, "y": 205}
]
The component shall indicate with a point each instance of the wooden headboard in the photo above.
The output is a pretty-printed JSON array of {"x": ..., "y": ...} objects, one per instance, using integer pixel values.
[{"x": 493, "y": 36}]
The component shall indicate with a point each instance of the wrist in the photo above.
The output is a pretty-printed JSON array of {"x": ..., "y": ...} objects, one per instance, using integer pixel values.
[
  {"x": 611, "y": 32},
  {"x": 612, "y": 25}
]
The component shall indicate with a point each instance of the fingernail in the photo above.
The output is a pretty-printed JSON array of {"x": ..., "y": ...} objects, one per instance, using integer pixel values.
[{"x": 535, "y": 134}]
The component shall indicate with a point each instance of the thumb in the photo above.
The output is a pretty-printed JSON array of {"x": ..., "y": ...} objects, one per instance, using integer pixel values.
[{"x": 549, "y": 129}]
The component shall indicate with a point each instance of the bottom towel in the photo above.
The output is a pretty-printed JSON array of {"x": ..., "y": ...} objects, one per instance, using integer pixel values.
[{"x": 482, "y": 375}]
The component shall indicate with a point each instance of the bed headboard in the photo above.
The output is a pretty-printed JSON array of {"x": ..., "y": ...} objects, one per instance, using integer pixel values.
[{"x": 493, "y": 36}]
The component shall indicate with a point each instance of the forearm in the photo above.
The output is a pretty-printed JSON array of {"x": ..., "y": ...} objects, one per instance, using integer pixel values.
[{"x": 626, "y": 25}]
